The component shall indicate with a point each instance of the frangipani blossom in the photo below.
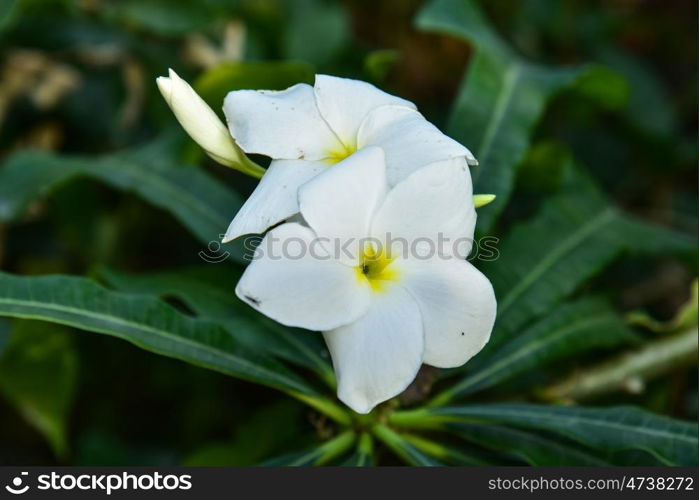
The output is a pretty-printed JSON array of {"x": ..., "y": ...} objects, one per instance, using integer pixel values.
[
  {"x": 306, "y": 130},
  {"x": 382, "y": 312}
]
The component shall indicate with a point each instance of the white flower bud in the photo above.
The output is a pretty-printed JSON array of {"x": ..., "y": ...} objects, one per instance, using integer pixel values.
[{"x": 203, "y": 125}]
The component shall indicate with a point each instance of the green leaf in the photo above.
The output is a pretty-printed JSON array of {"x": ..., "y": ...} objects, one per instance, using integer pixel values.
[
  {"x": 38, "y": 375},
  {"x": 573, "y": 328},
  {"x": 7, "y": 12},
  {"x": 263, "y": 432},
  {"x": 144, "y": 321},
  {"x": 315, "y": 456},
  {"x": 199, "y": 202},
  {"x": 643, "y": 238},
  {"x": 378, "y": 64},
  {"x": 446, "y": 453},
  {"x": 544, "y": 167},
  {"x": 408, "y": 452},
  {"x": 163, "y": 17},
  {"x": 500, "y": 101},
  {"x": 4, "y": 334},
  {"x": 604, "y": 86},
  {"x": 363, "y": 456},
  {"x": 215, "y": 83},
  {"x": 673, "y": 442},
  {"x": 530, "y": 447},
  {"x": 358, "y": 459},
  {"x": 208, "y": 291},
  {"x": 650, "y": 106},
  {"x": 573, "y": 236},
  {"x": 316, "y": 31}
]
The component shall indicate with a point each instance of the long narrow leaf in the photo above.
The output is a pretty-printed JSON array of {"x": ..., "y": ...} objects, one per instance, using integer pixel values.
[
  {"x": 197, "y": 200},
  {"x": 363, "y": 456},
  {"x": 530, "y": 447},
  {"x": 501, "y": 99},
  {"x": 573, "y": 236},
  {"x": 38, "y": 375},
  {"x": 319, "y": 455},
  {"x": 571, "y": 329},
  {"x": 673, "y": 442},
  {"x": 215, "y": 300},
  {"x": 147, "y": 322},
  {"x": 408, "y": 452}
]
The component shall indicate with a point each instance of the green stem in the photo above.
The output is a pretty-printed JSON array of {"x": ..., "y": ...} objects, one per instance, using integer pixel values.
[
  {"x": 428, "y": 447},
  {"x": 328, "y": 377},
  {"x": 390, "y": 439},
  {"x": 366, "y": 444},
  {"x": 440, "y": 452},
  {"x": 325, "y": 406},
  {"x": 251, "y": 168},
  {"x": 336, "y": 447},
  {"x": 417, "y": 419},
  {"x": 441, "y": 399},
  {"x": 655, "y": 358}
]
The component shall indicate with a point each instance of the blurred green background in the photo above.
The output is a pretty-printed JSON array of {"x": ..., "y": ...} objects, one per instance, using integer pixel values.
[{"x": 77, "y": 79}]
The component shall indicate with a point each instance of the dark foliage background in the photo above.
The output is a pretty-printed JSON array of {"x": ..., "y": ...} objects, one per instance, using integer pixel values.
[{"x": 77, "y": 86}]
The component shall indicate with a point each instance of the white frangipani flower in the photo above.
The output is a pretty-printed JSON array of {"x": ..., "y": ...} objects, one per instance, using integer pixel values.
[
  {"x": 307, "y": 129},
  {"x": 383, "y": 311},
  {"x": 202, "y": 124}
]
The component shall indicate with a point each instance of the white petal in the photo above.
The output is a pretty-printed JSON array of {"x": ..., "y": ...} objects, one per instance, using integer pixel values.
[
  {"x": 293, "y": 281},
  {"x": 344, "y": 103},
  {"x": 378, "y": 356},
  {"x": 275, "y": 198},
  {"x": 340, "y": 203},
  {"x": 199, "y": 120},
  {"x": 280, "y": 124},
  {"x": 458, "y": 308},
  {"x": 410, "y": 141},
  {"x": 430, "y": 213}
]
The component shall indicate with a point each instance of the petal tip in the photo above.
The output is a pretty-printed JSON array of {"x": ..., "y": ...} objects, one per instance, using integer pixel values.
[{"x": 356, "y": 403}]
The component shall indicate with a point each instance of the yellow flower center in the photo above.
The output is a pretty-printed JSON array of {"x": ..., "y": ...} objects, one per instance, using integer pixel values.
[
  {"x": 375, "y": 268},
  {"x": 339, "y": 154}
]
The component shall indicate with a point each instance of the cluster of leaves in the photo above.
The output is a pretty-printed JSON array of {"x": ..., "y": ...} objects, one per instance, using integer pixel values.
[{"x": 559, "y": 234}]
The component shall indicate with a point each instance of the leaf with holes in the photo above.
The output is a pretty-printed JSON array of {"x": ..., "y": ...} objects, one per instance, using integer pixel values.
[
  {"x": 144, "y": 321},
  {"x": 212, "y": 297}
]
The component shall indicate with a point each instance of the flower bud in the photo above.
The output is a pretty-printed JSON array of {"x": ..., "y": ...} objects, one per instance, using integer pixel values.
[
  {"x": 203, "y": 125},
  {"x": 481, "y": 200}
]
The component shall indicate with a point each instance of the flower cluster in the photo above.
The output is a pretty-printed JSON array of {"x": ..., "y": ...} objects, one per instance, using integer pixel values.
[{"x": 352, "y": 164}]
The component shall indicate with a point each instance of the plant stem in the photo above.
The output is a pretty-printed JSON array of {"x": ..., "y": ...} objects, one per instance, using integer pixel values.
[
  {"x": 390, "y": 439},
  {"x": 428, "y": 447},
  {"x": 655, "y": 358},
  {"x": 416, "y": 419},
  {"x": 249, "y": 167},
  {"x": 325, "y": 406},
  {"x": 366, "y": 444},
  {"x": 443, "y": 398},
  {"x": 336, "y": 447}
]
